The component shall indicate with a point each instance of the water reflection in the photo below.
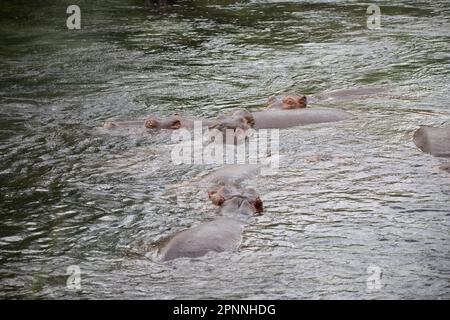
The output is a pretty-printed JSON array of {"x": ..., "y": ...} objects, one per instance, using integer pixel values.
[{"x": 70, "y": 195}]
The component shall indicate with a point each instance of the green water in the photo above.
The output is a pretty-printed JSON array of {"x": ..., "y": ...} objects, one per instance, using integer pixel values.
[{"x": 71, "y": 195}]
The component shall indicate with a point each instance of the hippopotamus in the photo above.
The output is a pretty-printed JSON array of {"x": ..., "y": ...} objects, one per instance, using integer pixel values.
[
  {"x": 221, "y": 234},
  {"x": 231, "y": 174},
  {"x": 240, "y": 120},
  {"x": 282, "y": 111},
  {"x": 236, "y": 205},
  {"x": 153, "y": 122},
  {"x": 435, "y": 141},
  {"x": 432, "y": 140}
]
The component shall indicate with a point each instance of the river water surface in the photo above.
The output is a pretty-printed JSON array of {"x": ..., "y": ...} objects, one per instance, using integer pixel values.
[{"x": 371, "y": 223}]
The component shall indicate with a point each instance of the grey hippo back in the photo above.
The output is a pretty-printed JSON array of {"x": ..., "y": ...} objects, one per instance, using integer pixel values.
[{"x": 432, "y": 140}]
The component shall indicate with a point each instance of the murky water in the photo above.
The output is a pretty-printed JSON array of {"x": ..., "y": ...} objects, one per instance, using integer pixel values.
[{"x": 70, "y": 195}]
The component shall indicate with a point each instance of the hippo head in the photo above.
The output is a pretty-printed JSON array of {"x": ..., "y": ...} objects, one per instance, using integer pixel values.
[
  {"x": 240, "y": 120},
  {"x": 287, "y": 101},
  {"x": 234, "y": 198},
  {"x": 172, "y": 122}
]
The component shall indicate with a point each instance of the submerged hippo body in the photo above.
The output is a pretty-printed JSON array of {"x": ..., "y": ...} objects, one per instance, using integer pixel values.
[
  {"x": 279, "y": 119},
  {"x": 232, "y": 174},
  {"x": 346, "y": 94},
  {"x": 223, "y": 234},
  {"x": 287, "y": 101},
  {"x": 432, "y": 140},
  {"x": 290, "y": 102}
]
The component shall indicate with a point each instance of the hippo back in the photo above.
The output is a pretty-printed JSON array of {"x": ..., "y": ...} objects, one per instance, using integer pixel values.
[
  {"x": 219, "y": 235},
  {"x": 278, "y": 119},
  {"x": 435, "y": 141}
]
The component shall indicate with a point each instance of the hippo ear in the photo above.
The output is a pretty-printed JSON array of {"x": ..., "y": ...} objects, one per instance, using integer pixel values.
[
  {"x": 259, "y": 205},
  {"x": 216, "y": 196},
  {"x": 176, "y": 124},
  {"x": 288, "y": 103}
]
